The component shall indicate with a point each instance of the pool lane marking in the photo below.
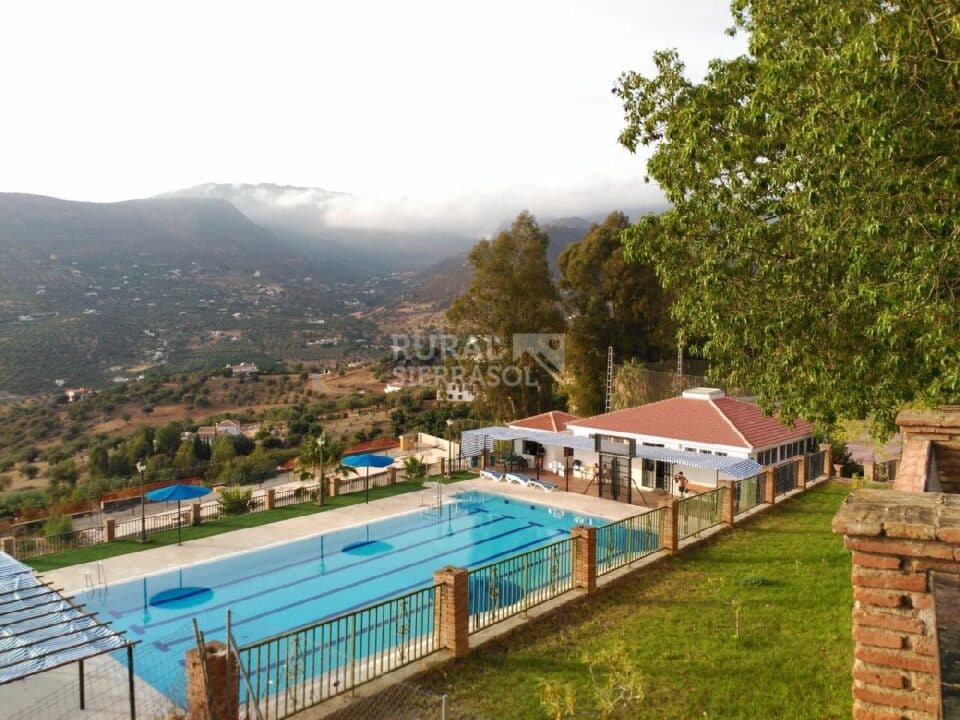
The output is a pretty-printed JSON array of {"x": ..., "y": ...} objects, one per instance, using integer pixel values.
[
  {"x": 331, "y": 554},
  {"x": 301, "y": 601}
]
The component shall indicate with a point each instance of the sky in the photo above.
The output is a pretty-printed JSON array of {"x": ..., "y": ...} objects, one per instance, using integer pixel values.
[{"x": 434, "y": 106}]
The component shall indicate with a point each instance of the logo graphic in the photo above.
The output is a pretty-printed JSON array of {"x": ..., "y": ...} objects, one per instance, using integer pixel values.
[{"x": 548, "y": 350}]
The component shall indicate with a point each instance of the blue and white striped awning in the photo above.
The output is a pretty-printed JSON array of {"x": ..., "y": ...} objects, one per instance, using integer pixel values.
[
  {"x": 473, "y": 443},
  {"x": 40, "y": 629}
]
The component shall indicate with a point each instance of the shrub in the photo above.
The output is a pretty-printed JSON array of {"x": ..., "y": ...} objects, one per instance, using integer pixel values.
[{"x": 235, "y": 501}]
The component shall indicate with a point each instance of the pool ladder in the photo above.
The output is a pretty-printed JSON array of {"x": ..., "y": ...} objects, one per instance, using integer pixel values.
[{"x": 96, "y": 583}]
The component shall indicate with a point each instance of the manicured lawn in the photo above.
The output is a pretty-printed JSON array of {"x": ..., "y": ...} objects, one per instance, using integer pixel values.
[
  {"x": 215, "y": 527},
  {"x": 790, "y": 577}
]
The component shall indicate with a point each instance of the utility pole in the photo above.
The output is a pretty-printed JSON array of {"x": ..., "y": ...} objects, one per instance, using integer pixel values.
[{"x": 609, "y": 394}]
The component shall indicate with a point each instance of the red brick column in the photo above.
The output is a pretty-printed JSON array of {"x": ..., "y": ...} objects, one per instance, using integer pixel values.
[
  {"x": 584, "y": 557},
  {"x": 8, "y": 546},
  {"x": 827, "y": 459},
  {"x": 393, "y": 475},
  {"x": 728, "y": 508},
  {"x": 443, "y": 466},
  {"x": 802, "y": 472},
  {"x": 769, "y": 479},
  {"x": 110, "y": 530},
  {"x": 897, "y": 538},
  {"x": 332, "y": 488},
  {"x": 454, "y": 610},
  {"x": 195, "y": 513},
  {"x": 222, "y": 675},
  {"x": 869, "y": 470},
  {"x": 671, "y": 529},
  {"x": 271, "y": 499}
]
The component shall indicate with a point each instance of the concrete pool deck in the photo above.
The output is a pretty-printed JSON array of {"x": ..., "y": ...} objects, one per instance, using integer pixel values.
[{"x": 170, "y": 557}]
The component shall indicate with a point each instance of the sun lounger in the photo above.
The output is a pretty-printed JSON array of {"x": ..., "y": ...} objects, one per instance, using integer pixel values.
[
  {"x": 494, "y": 475},
  {"x": 528, "y": 481}
]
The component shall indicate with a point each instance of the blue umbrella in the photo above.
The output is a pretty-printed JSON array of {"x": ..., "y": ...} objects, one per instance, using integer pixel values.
[
  {"x": 178, "y": 493},
  {"x": 368, "y": 461}
]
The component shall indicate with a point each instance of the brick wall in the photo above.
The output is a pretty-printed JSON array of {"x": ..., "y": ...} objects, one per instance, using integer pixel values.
[{"x": 897, "y": 538}]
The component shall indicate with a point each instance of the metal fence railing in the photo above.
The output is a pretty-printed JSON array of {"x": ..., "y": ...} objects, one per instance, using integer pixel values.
[
  {"x": 785, "y": 476},
  {"x": 130, "y": 528},
  {"x": 622, "y": 542},
  {"x": 506, "y": 588},
  {"x": 700, "y": 512},
  {"x": 815, "y": 463},
  {"x": 747, "y": 494},
  {"x": 301, "y": 668},
  {"x": 44, "y": 545}
]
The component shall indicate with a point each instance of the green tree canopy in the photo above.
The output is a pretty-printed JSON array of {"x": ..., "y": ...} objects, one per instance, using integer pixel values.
[
  {"x": 611, "y": 304},
  {"x": 511, "y": 292},
  {"x": 814, "y": 184}
]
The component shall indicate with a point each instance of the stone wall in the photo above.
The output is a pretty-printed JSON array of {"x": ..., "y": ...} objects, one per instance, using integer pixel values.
[{"x": 898, "y": 539}]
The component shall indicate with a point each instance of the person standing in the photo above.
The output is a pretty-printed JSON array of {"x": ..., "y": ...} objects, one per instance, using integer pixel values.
[{"x": 681, "y": 483}]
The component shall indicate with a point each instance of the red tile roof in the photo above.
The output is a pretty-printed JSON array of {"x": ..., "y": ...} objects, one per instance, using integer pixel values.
[
  {"x": 372, "y": 446},
  {"x": 554, "y": 421},
  {"x": 717, "y": 421}
]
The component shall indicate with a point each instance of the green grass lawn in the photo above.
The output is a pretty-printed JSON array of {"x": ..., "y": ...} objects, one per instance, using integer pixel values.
[
  {"x": 215, "y": 527},
  {"x": 785, "y": 570}
]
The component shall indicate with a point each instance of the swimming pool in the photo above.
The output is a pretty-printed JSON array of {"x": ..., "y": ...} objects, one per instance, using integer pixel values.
[{"x": 278, "y": 588}]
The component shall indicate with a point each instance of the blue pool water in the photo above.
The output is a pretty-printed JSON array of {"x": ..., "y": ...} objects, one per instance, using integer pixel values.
[{"x": 279, "y": 588}]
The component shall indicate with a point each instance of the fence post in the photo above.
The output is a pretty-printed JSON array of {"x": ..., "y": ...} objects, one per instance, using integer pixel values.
[
  {"x": 109, "y": 530},
  {"x": 443, "y": 466},
  {"x": 393, "y": 475},
  {"x": 827, "y": 465},
  {"x": 728, "y": 502},
  {"x": 195, "y": 510},
  {"x": 271, "y": 498},
  {"x": 8, "y": 546},
  {"x": 671, "y": 539},
  {"x": 869, "y": 470},
  {"x": 222, "y": 674},
  {"x": 770, "y": 485},
  {"x": 454, "y": 609},
  {"x": 332, "y": 486},
  {"x": 584, "y": 560},
  {"x": 802, "y": 472}
]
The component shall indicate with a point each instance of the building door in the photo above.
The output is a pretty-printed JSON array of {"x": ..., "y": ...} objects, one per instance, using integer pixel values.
[{"x": 662, "y": 476}]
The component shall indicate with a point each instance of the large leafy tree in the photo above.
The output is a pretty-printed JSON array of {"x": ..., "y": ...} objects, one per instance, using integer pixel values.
[
  {"x": 814, "y": 184},
  {"x": 611, "y": 305},
  {"x": 511, "y": 292}
]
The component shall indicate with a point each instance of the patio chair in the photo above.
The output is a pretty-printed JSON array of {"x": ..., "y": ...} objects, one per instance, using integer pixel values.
[{"x": 493, "y": 475}]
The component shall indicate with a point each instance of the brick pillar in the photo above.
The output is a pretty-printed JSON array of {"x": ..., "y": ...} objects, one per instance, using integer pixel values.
[
  {"x": 222, "y": 675},
  {"x": 584, "y": 557},
  {"x": 770, "y": 486},
  {"x": 332, "y": 489},
  {"x": 802, "y": 472},
  {"x": 195, "y": 511},
  {"x": 869, "y": 470},
  {"x": 110, "y": 530},
  {"x": 454, "y": 614},
  {"x": 8, "y": 546},
  {"x": 897, "y": 538},
  {"x": 393, "y": 475},
  {"x": 671, "y": 529},
  {"x": 827, "y": 459},
  {"x": 728, "y": 508},
  {"x": 271, "y": 498},
  {"x": 443, "y": 466}
]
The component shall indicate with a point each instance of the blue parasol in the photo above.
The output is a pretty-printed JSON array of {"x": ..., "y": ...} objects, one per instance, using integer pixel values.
[
  {"x": 178, "y": 493},
  {"x": 368, "y": 461}
]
